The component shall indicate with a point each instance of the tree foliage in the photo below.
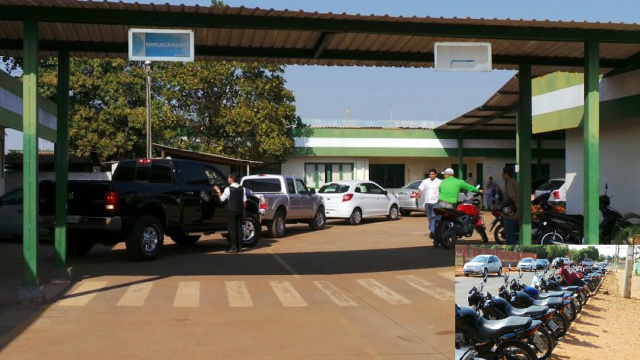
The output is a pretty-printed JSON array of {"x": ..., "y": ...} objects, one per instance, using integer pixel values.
[{"x": 590, "y": 252}]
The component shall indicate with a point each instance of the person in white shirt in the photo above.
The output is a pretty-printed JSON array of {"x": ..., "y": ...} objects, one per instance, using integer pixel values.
[
  {"x": 431, "y": 188},
  {"x": 470, "y": 180}
]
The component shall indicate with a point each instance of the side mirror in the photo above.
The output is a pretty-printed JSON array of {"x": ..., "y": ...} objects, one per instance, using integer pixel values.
[
  {"x": 312, "y": 191},
  {"x": 385, "y": 192}
]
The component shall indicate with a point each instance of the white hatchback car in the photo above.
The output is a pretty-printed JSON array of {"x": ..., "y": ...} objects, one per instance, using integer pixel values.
[
  {"x": 358, "y": 199},
  {"x": 483, "y": 264},
  {"x": 527, "y": 264}
]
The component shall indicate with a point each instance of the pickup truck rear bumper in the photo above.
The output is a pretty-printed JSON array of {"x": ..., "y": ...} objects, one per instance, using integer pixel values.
[{"x": 89, "y": 223}]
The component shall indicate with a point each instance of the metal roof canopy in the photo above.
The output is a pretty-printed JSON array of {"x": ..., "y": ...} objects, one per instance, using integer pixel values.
[
  {"x": 194, "y": 155},
  {"x": 99, "y": 29}
]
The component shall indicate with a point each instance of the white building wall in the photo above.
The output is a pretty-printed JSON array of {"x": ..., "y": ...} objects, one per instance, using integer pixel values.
[{"x": 619, "y": 166}]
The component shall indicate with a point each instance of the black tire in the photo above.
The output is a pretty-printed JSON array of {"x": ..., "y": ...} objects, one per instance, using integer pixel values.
[
  {"x": 483, "y": 234},
  {"x": 145, "y": 238},
  {"x": 572, "y": 313},
  {"x": 516, "y": 349},
  {"x": 405, "y": 212},
  {"x": 466, "y": 274},
  {"x": 393, "y": 213},
  {"x": 498, "y": 234},
  {"x": 448, "y": 237},
  {"x": 78, "y": 245},
  {"x": 250, "y": 230},
  {"x": 547, "y": 344},
  {"x": 563, "y": 325},
  {"x": 356, "y": 217},
  {"x": 184, "y": 239},
  {"x": 484, "y": 272},
  {"x": 319, "y": 220},
  {"x": 500, "y": 271},
  {"x": 277, "y": 225}
]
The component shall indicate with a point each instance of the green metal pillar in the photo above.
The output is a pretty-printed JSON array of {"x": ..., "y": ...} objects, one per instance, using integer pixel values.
[
  {"x": 460, "y": 157},
  {"x": 523, "y": 143},
  {"x": 30, "y": 156},
  {"x": 539, "y": 160},
  {"x": 62, "y": 163},
  {"x": 591, "y": 126}
]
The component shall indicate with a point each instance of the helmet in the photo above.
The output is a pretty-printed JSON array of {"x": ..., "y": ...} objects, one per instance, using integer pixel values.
[
  {"x": 559, "y": 262},
  {"x": 531, "y": 291}
]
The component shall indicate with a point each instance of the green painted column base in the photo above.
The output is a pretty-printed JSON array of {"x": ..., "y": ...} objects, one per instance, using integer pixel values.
[{"x": 31, "y": 295}]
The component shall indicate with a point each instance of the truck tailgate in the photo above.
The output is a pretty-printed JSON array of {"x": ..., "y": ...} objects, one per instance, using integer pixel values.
[{"x": 86, "y": 198}]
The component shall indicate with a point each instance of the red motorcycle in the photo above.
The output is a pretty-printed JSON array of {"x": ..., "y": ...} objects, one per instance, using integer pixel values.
[{"x": 462, "y": 221}]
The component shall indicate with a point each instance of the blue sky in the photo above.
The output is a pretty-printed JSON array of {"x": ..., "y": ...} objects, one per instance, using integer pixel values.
[{"x": 415, "y": 94}]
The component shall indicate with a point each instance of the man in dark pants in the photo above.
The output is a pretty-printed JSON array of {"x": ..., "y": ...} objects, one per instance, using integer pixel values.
[
  {"x": 510, "y": 216},
  {"x": 236, "y": 207}
]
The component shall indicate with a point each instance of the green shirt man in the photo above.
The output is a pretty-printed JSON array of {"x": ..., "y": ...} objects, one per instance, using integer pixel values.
[{"x": 451, "y": 186}]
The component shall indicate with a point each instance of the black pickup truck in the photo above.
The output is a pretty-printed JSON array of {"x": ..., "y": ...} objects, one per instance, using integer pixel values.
[{"x": 145, "y": 200}]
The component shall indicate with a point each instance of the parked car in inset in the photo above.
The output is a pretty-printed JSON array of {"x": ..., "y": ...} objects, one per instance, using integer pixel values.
[
  {"x": 527, "y": 264},
  {"x": 408, "y": 200},
  {"x": 542, "y": 264},
  {"x": 557, "y": 188},
  {"x": 483, "y": 264},
  {"x": 357, "y": 200},
  {"x": 11, "y": 216},
  {"x": 285, "y": 199},
  {"x": 587, "y": 262}
]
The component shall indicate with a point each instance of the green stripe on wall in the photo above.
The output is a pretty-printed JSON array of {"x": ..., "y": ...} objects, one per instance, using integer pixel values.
[
  {"x": 555, "y": 81},
  {"x": 394, "y": 152},
  {"x": 401, "y": 134}
]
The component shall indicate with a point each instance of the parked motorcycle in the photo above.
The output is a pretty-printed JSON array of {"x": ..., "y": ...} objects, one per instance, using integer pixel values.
[
  {"x": 462, "y": 221},
  {"x": 560, "y": 228},
  {"x": 612, "y": 220},
  {"x": 494, "y": 339}
]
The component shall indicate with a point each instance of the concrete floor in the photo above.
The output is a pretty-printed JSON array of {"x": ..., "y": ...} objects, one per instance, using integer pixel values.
[{"x": 374, "y": 291}]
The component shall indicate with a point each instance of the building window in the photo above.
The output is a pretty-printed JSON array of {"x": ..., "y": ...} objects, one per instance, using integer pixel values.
[
  {"x": 318, "y": 174},
  {"x": 387, "y": 175}
]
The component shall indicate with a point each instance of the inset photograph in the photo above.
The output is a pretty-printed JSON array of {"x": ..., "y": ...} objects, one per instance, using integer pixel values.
[{"x": 547, "y": 302}]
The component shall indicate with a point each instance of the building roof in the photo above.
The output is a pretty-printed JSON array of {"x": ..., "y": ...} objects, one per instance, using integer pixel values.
[
  {"x": 99, "y": 29},
  {"x": 194, "y": 155}
]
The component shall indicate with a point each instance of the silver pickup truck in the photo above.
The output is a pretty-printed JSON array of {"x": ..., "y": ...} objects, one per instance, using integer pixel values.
[{"x": 285, "y": 199}]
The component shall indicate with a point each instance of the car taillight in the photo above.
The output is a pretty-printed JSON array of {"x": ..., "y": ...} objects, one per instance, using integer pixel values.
[
  {"x": 556, "y": 195},
  {"x": 414, "y": 195},
  {"x": 111, "y": 200},
  {"x": 347, "y": 197},
  {"x": 263, "y": 204}
]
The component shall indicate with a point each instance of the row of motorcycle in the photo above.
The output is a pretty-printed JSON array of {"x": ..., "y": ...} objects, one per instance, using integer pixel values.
[
  {"x": 552, "y": 227},
  {"x": 521, "y": 321}
]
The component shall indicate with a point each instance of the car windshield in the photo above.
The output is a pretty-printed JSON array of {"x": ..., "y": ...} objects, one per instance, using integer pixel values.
[
  {"x": 551, "y": 185},
  {"x": 481, "y": 258},
  {"x": 264, "y": 185},
  {"x": 527, "y": 260},
  {"x": 333, "y": 189}
]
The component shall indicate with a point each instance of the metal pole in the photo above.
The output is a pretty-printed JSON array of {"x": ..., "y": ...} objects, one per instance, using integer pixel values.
[
  {"x": 30, "y": 154},
  {"x": 523, "y": 143},
  {"x": 62, "y": 161},
  {"x": 539, "y": 160},
  {"x": 147, "y": 65},
  {"x": 591, "y": 126},
  {"x": 628, "y": 267},
  {"x": 460, "y": 157}
]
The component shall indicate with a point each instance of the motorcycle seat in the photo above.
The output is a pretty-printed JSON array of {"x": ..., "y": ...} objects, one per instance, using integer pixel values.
[
  {"x": 570, "y": 288},
  {"x": 550, "y": 302},
  {"x": 527, "y": 312},
  {"x": 553, "y": 294},
  {"x": 492, "y": 329}
]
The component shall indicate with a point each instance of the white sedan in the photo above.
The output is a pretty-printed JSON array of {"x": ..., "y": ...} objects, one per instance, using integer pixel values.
[{"x": 358, "y": 199}]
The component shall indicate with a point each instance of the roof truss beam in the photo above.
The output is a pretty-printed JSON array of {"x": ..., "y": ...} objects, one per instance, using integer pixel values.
[
  {"x": 320, "y": 50},
  {"x": 226, "y": 21}
]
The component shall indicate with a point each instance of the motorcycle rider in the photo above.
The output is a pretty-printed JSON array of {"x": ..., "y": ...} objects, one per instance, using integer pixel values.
[
  {"x": 571, "y": 277},
  {"x": 450, "y": 189}
]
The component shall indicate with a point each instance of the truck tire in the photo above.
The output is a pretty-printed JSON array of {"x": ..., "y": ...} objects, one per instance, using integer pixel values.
[
  {"x": 356, "y": 217},
  {"x": 318, "y": 221},
  {"x": 78, "y": 245},
  {"x": 405, "y": 212},
  {"x": 145, "y": 238},
  {"x": 276, "y": 226},
  {"x": 250, "y": 230},
  {"x": 184, "y": 239}
]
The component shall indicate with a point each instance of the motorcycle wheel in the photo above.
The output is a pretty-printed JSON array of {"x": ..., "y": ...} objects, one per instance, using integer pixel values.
[
  {"x": 563, "y": 325},
  {"x": 572, "y": 312},
  {"x": 552, "y": 237},
  {"x": 541, "y": 343},
  {"x": 515, "y": 349},
  {"x": 483, "y": 234},
  {"x": 578, "y": 306},
  {"x": 448, "y": 237},
  {"x": 499, "y": 235}
]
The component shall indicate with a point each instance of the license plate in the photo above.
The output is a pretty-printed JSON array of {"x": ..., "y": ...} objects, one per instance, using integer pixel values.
[
  {"x": 537, "y": 340},
  {"x": 73, "y": 219},
  {"x": 552, "y": 325}
]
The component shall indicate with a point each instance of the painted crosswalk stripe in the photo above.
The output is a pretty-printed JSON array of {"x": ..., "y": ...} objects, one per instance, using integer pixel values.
[
  {"x": 136, "y": 294},
  {"x": 383, "y": 292},
  {"x": 83, "y": 294},
  {"x": 238, "y": 294},
  {"x": 288, "y": 296},
  {"x": 188, "y": 294},
  {"x": 335, "y": 294},
  {"x": 449, "y": 275},
  {"x": 427, "y": 287}
]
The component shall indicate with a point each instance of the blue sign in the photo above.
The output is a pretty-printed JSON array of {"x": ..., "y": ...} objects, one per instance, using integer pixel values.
[{"x": 160, "y": 45}]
